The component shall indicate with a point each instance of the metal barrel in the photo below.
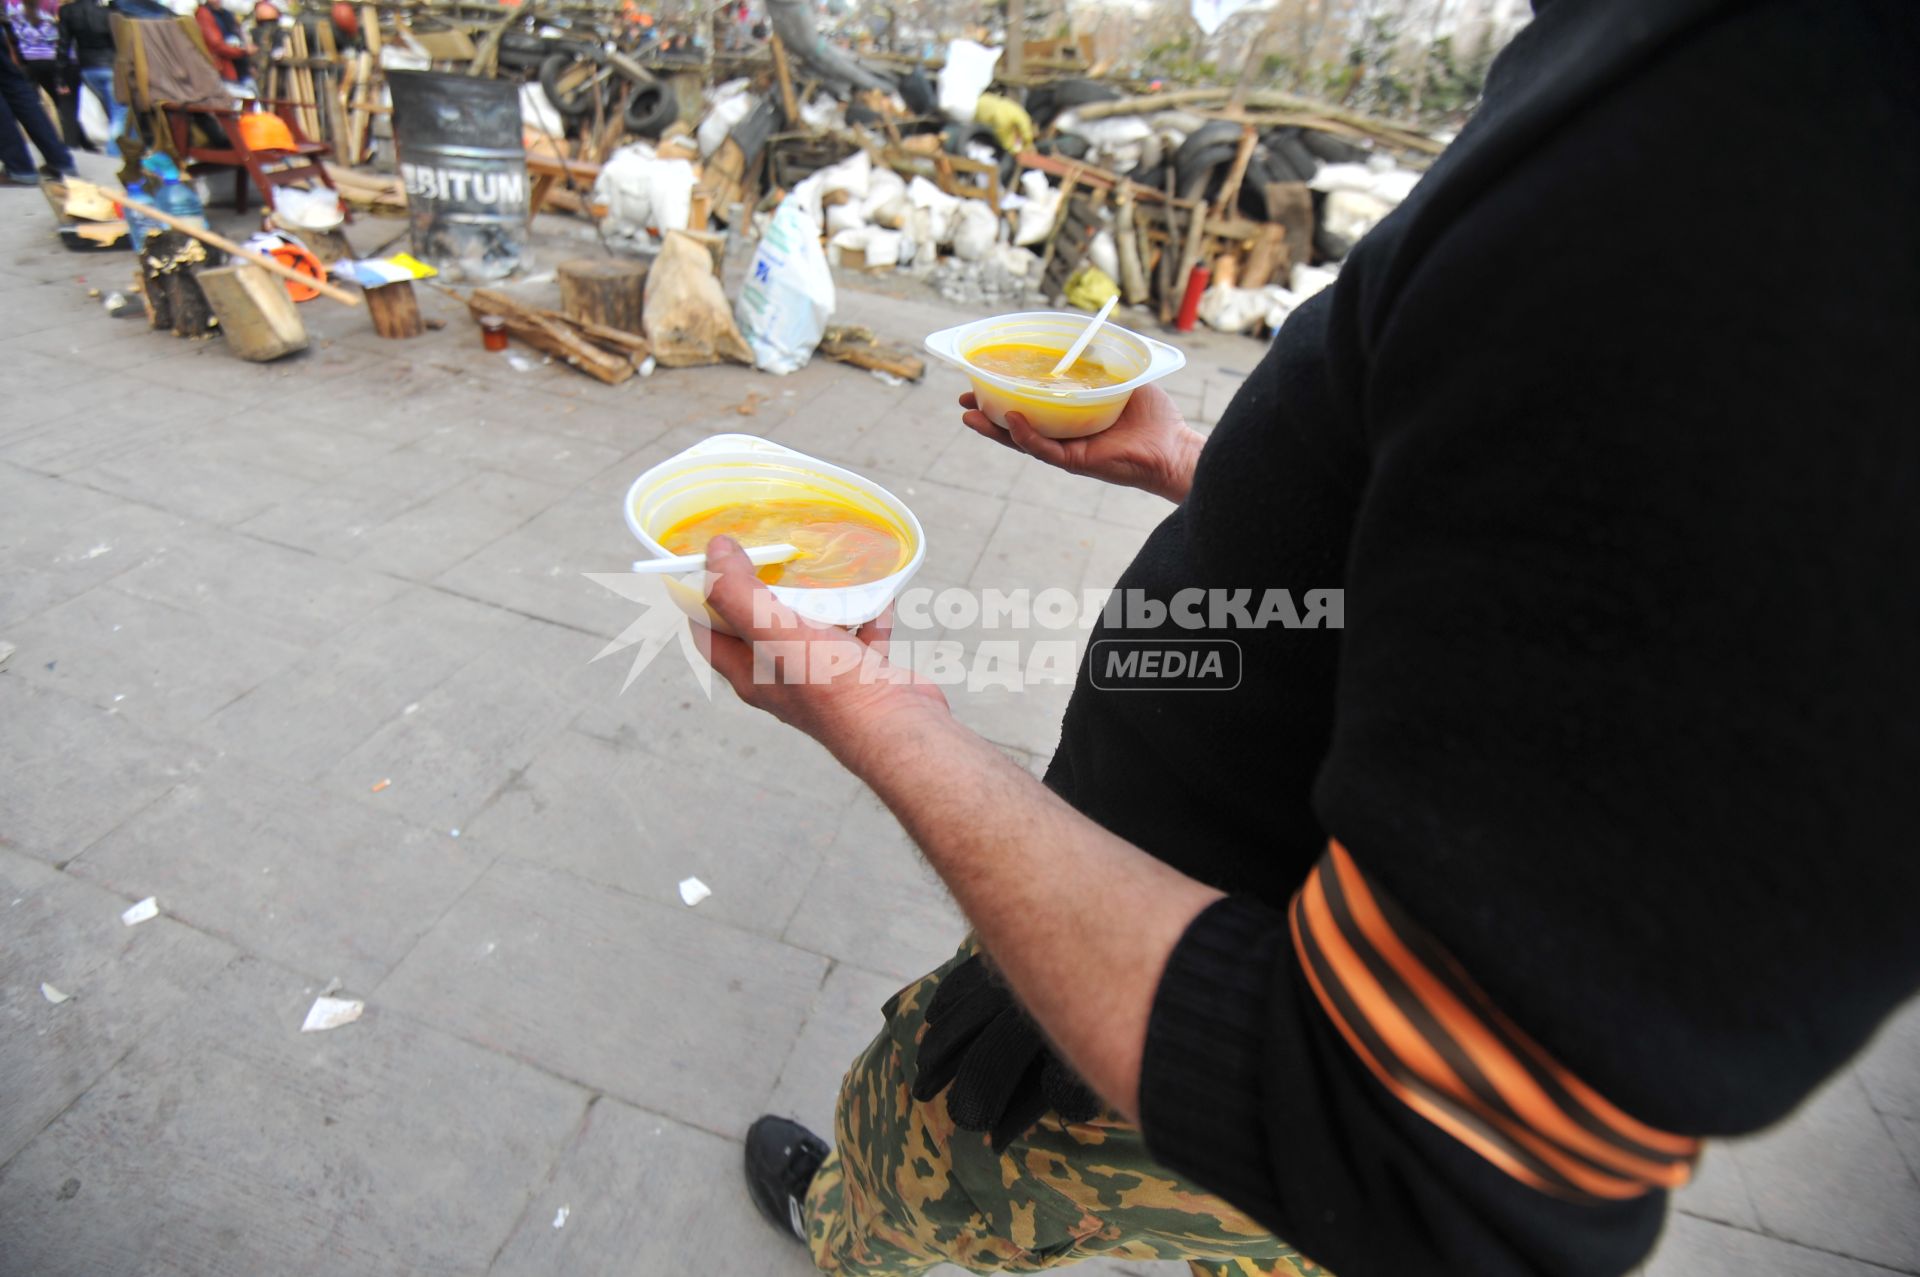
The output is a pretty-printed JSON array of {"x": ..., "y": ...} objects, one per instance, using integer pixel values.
[{"x": 464, "y": 169}]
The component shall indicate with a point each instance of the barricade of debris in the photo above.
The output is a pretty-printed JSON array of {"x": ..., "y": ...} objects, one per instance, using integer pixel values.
[{"x": 1046, "y": 183}]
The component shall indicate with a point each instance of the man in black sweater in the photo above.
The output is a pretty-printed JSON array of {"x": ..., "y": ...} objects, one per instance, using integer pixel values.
[{"x": 1441, "y": 943}]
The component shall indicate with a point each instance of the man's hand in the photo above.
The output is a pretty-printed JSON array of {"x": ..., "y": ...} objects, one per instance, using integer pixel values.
[
  {"x": 1150, "y": 447},
  {"x": 835, "y": 685}
]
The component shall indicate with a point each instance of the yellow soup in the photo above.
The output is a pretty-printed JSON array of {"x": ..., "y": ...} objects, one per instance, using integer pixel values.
[
  {"x": 1035, "y": 363},
  {"x": 839, "y": 545}
]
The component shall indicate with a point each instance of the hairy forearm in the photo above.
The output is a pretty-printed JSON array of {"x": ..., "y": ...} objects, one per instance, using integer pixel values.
[{"x": 1080, "y": 922}]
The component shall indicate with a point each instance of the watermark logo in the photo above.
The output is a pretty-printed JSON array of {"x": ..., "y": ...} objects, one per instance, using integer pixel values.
[{"x": 1035, "y": 637}]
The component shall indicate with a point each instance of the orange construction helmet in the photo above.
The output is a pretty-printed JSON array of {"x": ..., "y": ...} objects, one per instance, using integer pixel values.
[
  {"x": 298, "y": 258},
  {"x": 265, "y": 131},
  {"x": 347, "y": 18},
  {"x": 264, "y": 12}
]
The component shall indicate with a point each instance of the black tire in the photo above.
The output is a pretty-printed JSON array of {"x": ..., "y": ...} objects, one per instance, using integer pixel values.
[
  {"x": 1286, "y": 145},
  {"x": 1331, "y": 149},
  {"x": 1194, "y": 171},
  {"x": 651, "y": 109},
  {"x": 1071, "y": 145},
  {"x": 956, "y": 137},
  {"x": 917, "y": 92},
  {"x": 1328, "y": 247},
  {"x": 574, "y": 105},
  {"x": 1061, "y": 96},
  {"x": 1155, "y": 177}
]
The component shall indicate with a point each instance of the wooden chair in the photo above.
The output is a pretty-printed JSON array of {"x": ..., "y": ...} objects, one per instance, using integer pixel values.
[
  {"x": 206, "y": 134},
  {"x": 267, "y": 169}
]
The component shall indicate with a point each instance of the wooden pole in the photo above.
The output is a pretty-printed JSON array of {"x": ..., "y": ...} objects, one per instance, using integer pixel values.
[
  {"x": 1016, "y": 65},
  {"x": 227, "y": 246},
  {"x": 788, "y": 106},
  {"x": 1229, "y": 193}
]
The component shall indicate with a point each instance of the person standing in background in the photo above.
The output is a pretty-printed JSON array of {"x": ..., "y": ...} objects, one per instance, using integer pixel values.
[
  {"x": 86, "y": 42},
  {"x": 36, "y": 35},
  {"x": 232, "y": 55},
  {"x": 20, "y": 109}
]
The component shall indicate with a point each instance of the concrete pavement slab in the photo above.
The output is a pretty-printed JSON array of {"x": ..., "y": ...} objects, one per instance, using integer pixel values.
[
  {"x": 124, "y": 983},
  {"x": 642, "y": 1193},
  {"x": 473, "y": 731},
  {"x": 74, "y": 771},
  {"x": 60, "y": 539},
  {"x": 230, "y": 1144},
  {"x": 315, "y": 881},
  {"x": 375, "y": 671},
  {"x": 1700, "y": 1248},
  {"x": 874, "y": 901},
  {"x": 609, "y": 812},
  {"x": 1832, "y": 1178},
  {"x": 655, "y": 1004},
  {"x": 1891, "y": 1068},
  {"x": 842, "y": 1019},
  {"x": 165, "y": 668}
]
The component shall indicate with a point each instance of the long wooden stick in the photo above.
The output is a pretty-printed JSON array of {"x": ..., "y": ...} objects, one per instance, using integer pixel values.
[{"x": 227, "y": 246}]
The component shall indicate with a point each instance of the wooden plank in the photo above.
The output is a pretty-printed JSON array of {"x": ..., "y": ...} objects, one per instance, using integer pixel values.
[
  {"x": 226, "y": 245},
  {"x": 552, "y": 334},
  {"x": 859, "y": 346}
]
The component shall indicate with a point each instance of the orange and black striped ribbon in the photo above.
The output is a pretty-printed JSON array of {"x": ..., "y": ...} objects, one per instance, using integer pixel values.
[{"x": 1434, "y": 1040}]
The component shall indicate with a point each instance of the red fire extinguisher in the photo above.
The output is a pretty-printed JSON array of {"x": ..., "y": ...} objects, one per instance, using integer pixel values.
[{"x": 1190, "y": 303}]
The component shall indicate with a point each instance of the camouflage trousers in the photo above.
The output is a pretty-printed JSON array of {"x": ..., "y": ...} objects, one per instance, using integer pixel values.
[{"x": 904, "y": 1190}]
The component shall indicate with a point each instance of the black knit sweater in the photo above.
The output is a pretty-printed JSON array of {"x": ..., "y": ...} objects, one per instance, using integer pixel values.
[{"x": 1610, "y": 436}]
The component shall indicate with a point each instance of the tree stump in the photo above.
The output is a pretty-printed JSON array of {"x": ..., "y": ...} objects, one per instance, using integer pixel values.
[
  {"x": 395, "y": 310},
  {"x": 608, "y": 292},
  {"x": 173, "y": 296}
]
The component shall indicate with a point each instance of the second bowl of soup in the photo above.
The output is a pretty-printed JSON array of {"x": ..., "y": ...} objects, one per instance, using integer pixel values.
[
  {"x": 1010, "y": 358},
  {"x": 859, "y": 543}
]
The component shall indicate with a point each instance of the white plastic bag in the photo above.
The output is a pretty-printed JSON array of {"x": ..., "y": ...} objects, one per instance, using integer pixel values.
[
  {"x": 538, "y": 114},
  {"x": 93, "y": 119},
  {"x": 643, "y": 192},
  {"x": 731, "y": 104},
  {"x": 1105, "y": 254},
  {"x": 968, "y": 72},
  {"x": 942, "y": 209},
  {"x": 850, "y": 175},
  {"x": 974, "y": 231},
  {"x": 788, "y": 295},
  {"x": 844, "y": 217}
]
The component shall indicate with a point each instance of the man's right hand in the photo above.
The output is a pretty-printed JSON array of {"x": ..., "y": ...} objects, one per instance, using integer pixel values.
[{"x": 1150, "y": 447}]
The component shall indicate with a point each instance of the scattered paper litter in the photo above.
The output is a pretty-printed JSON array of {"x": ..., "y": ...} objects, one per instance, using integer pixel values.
[
  {"x": 560, "y": 1216},
  {"x": 881, "y": 374},
  {"x": 148, "y": 908},
  {"x": 52, "y": 994},
  {"x": 331, "y": 1013},
  {"x": 693, "y": 891}
]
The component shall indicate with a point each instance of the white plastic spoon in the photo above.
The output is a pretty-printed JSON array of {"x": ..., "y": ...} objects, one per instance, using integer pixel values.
[
  {"x": 760, "y": 556},
  {"x": 1079, "y": 346}
]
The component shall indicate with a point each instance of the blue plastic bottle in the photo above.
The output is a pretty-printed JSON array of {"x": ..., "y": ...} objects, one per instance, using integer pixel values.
[
  {"x": 137, "y": 226},
  {"x": 173, "y": 195}
]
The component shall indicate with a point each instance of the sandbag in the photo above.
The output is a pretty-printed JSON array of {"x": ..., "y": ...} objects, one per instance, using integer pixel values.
[
  {"x": 974, "y": 231},
  {"x": 788, "y": 295},
  {"x": 685, "y": 311}
]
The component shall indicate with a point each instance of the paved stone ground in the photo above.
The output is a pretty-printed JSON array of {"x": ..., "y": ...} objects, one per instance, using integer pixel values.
[{"x": 243, "y": 595}]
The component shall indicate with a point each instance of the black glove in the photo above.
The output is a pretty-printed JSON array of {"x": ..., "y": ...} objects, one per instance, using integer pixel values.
[{"x": 1003, "y": 1075}]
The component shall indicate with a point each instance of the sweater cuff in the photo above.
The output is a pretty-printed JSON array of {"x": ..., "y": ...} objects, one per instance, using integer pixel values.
[{"x": 1201, "y": 1105}]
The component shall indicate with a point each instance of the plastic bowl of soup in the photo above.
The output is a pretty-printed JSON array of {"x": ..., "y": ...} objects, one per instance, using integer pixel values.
[
  {"x": 860, "y": 544},
  {"x": 1008, "y": 359}
]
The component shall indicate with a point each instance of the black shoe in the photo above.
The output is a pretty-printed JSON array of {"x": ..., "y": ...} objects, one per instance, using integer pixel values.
[{"x": 781, "y": 1159}]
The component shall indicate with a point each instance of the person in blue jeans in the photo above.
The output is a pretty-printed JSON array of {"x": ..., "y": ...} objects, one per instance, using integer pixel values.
[
  {"x": 86, "y": 42},
  {"x": 20, "y": 109}
]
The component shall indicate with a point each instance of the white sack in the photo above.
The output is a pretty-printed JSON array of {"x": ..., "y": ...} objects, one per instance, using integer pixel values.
[{"x": 968, "y": 72}]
